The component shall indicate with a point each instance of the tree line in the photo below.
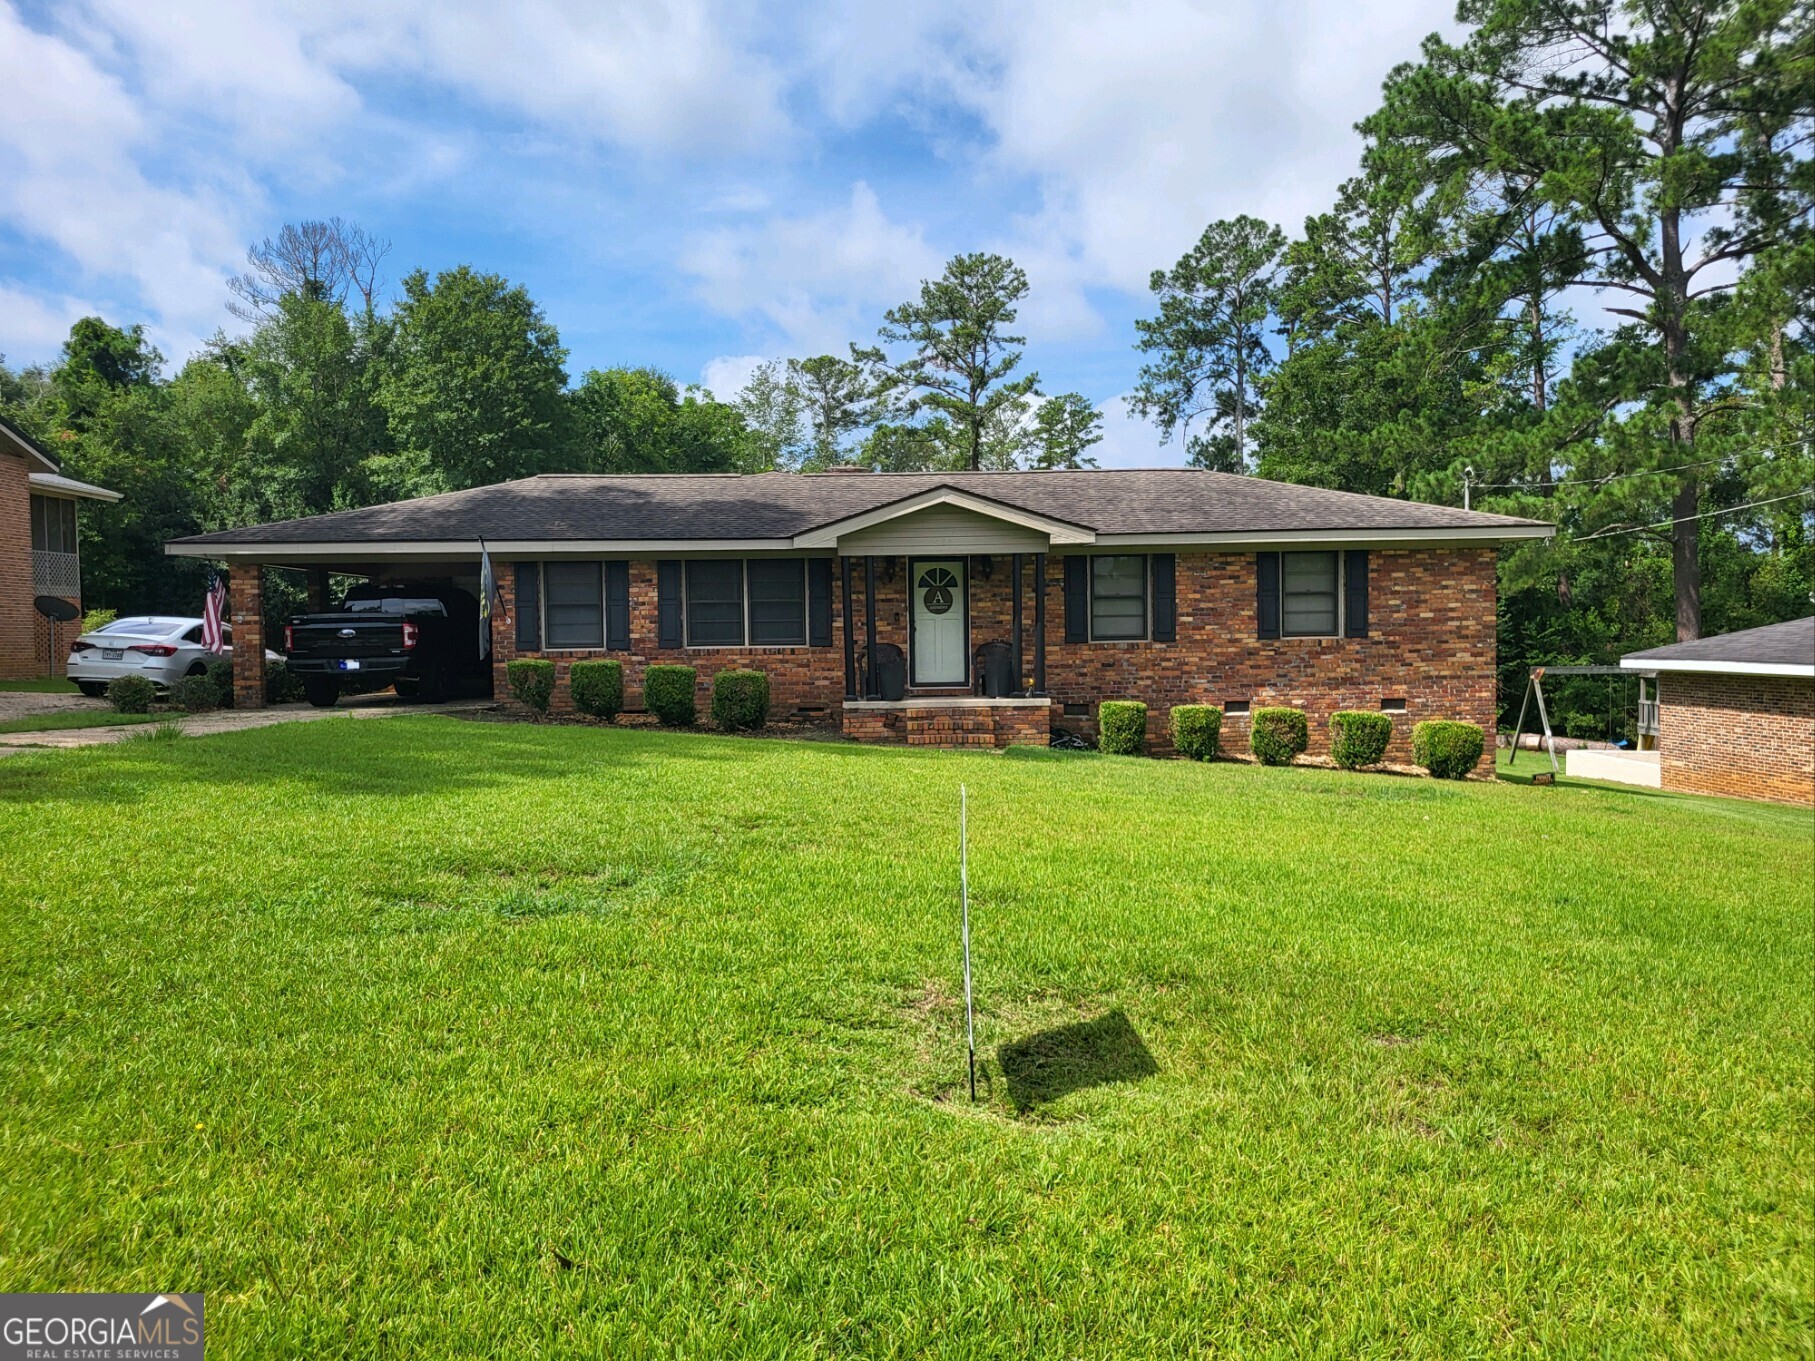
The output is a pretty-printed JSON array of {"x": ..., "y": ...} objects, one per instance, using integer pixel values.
[{"x": 1645, "y": 163}]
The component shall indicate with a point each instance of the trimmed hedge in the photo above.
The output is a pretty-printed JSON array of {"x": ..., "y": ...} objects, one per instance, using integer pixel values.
[
  {"x": 196, "y": 694},
  {"x": 597, "y": 687},
  {"x": 532, "y": 681},
  {"x": 96, "y": 620},
  {"x": 1358, "y": 738},
  {"x": 219, "y": 671},
  {"x": 668, "y": 693},
  {"x": 1275, "y": 736},
  {"x": 1122, "y": 727},
  {"x": 282, "y": 685},
  {"x": 1196, "y": 729},
  {"x": 131, "y": 695},
  {"x": 1449, "y": 750},
  {"x": 740, "y": 700}
]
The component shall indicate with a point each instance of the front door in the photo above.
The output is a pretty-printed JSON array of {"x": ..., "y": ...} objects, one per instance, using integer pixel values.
[{"x": 941, "y": 624}]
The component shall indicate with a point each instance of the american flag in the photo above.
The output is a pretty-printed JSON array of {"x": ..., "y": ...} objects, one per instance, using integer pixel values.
[{"x": 213, "y": 612}]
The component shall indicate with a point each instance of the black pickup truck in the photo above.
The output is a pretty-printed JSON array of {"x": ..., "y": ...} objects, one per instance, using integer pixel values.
[{"x": 420, "y": 637}]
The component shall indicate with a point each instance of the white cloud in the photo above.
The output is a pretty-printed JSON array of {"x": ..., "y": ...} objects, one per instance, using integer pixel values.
[
  {"x": 1130, "y": 442},
  {"x": 725, "y": 376},
  {"x": 817, "y": 281},
  {"x": 35, "y": 324}
]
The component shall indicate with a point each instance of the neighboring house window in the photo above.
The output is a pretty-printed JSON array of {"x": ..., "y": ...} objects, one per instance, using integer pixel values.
[
  {"x": 1309, "y": 590},
  {"x": 778, "y": 602},
  {"x": 1118, "y": 597},
  {"x": 574, "y": 604},
  {"x": 715, "y": 603},
  {"x": 53, "y": 524}
]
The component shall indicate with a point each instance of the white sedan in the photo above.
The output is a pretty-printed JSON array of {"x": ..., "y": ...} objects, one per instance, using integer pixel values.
[{"x": 160, "y": 647}]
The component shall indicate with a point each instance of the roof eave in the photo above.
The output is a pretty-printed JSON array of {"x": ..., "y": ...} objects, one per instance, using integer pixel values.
[
  {"x": 55, "y": 484},
  {"x": 1789, "y": 670},
  {"x": 1058, "y": 531}
]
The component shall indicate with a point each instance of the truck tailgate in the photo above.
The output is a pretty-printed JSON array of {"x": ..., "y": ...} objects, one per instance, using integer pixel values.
[{"x": 346, "y": 635}]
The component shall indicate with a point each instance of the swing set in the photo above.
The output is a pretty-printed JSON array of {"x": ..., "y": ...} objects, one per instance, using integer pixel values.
[{"x": 1534, "y": 690}]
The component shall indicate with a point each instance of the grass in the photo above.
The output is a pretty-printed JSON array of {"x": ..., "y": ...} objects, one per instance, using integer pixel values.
[
  {"x": 41, "y": 685},
  {"x": 61, "y": 722},
  {"x": 420, "y": 1037}
]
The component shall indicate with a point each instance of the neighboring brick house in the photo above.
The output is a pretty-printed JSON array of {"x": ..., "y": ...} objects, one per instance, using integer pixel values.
[
  {"x": 1168, "y": 586},
  {"x": 1736, "y": 713},
  {"x": 38, "y": 555}
]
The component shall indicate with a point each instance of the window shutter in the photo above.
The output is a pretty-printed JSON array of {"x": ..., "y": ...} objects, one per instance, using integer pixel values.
[
  {"x": 819, "y": 602},
  {"x": 1077, "y": 600},
  {"x": 1266, "y": 605},
  {"x": 1164, "y": 572},
  {"x": 1355, "y": 593},
  {"x": 668, "y": 603},
  {"x": 617, "y": 606},
  {"x": 529, "y": 607}
]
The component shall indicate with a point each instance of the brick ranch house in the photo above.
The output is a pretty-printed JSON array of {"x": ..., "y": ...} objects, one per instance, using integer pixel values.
[
  {"x": 38, "y": 554},
  {"x": 1168, "y": 586},
  {"x": 1736, "y": 713}
]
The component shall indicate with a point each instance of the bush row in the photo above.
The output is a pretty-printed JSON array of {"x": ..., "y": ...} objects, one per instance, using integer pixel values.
[
  {"x": 1358, "y": 738},
  {"x": 740, "y": 699}
]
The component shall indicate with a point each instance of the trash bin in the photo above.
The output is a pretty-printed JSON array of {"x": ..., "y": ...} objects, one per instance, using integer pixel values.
[
  {"x": 890, "y": 670},
  {"x": 996, "y": 670}
]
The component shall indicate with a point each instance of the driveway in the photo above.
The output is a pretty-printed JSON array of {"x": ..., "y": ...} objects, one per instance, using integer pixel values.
[
  {"x": 29, "y": 704},
  {"x": 205, "y": 725}
]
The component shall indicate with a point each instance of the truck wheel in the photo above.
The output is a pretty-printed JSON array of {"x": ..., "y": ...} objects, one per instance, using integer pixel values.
[
  {"x": 431, "y": 686},
  {"x": 93, "y": 689},
  {"x": 322, "y": 693},
  {"x": 405, "y": 686}
]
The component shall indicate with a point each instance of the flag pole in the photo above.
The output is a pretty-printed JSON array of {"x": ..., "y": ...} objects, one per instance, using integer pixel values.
[{"x": 964, "y": 898}]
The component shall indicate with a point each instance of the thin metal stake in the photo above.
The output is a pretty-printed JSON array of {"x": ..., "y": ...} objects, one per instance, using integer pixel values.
[{"x": 964, "y": 897}]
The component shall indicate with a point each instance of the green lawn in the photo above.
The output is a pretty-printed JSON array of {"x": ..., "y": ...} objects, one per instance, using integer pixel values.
[
  {"x": 42, "y": 685},
  {"x": 423, "y": 1037},
  {"x": 102, "y": 718}
]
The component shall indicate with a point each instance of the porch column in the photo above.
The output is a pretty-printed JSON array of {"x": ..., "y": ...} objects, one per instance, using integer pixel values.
[
  {"x": 1039, "y": 623},
  {"x": 246, "y": 596},
  {"x": 846, "y": 566},
  {"x": 318, "y": 590},
  {"x": 1015, "y": 624},
  {"x": 871, "y": 689}
]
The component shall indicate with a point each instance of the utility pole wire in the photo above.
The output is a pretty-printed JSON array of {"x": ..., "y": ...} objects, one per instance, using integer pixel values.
[
  {"x": 1615, "y": 477},
  {"x": 1706, "y": 514}
]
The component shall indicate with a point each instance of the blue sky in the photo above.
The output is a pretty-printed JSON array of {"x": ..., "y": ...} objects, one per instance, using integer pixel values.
[{"x": 694, "y": 185}]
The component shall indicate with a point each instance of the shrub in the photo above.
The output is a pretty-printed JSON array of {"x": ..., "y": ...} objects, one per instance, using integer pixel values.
[
  {"x": 219, "y": 671},
  {"x": 196, "y": 694},
  {"x": 1358, "y": 738},
  {"x": 1196, "y": 728},
  {"x": 740, "y": 700},
  {"x": 532, "y": 681},
  {"x": 668, "y": 694},
  {"x": 1122, "y": 727},
  {"x": 96, "y": 620},
  {"x": 131, "y": 695},
  {"x": 1449, "y": 750},
  {"x": 1277, "y": 735},
  {"x": 282, "y": 685},
  {"x": 597, "y": 687}
]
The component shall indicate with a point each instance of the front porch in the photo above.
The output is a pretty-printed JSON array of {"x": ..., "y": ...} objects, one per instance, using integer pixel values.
[{"x": 951, "y": 721}]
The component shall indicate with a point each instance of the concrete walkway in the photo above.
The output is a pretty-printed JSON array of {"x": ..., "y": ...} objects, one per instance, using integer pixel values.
[{"x": 224, "y": 720}]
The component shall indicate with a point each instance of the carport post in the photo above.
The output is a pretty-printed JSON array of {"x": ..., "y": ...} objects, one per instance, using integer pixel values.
[
  {"x": 318, "y": 590},
  {"x": 246, "y": 596}
]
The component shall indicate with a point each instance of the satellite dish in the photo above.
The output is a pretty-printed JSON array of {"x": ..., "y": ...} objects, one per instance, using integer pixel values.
[{"x": 56, "y": 608}]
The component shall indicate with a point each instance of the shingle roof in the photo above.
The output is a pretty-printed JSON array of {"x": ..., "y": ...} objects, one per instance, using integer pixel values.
[
  {"x": 1775, "y": 646},
  {"x": 584, "y": 507}
]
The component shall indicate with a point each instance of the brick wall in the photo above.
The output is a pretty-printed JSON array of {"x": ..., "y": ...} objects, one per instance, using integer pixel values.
[
  {"x": 29, "y": 644},
  {"x": 246, "y": 603},
  {"x": 1431, "y": 643},
  {"x": 1749, "y": 737}
]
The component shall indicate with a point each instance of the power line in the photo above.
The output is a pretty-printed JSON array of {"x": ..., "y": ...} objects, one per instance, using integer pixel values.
[
  {"x": 1615, "y": 477},
  {"x": 1684, "y": 519}
]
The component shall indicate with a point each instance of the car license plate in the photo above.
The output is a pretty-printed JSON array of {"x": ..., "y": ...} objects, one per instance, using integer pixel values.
[
  {"x": 113, "y": 654},
  {"x": 349, "y": 664}
]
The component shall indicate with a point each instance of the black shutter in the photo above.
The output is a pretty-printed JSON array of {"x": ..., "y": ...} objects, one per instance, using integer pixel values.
[
  {"x": 1077, "y": 600},
  {"x": 529, "y": 607},
  {"x": 1355, "y": 593},
  {"x": 819, "y": 602},
  {"x": 1266, "y": 604},
  {"x": 668, "y": 603},
  {"x": 1164, "y": 572},
  {"x": 617, "y": 606}
]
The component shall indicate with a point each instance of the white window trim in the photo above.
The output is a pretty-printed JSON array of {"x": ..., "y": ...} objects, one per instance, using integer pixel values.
[
  {"x": 1090, "y": 598},
  {"x": 1342, "y": 571}
]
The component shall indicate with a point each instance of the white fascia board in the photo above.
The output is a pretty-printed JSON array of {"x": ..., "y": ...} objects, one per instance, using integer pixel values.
[
  {"x": 55, "y": 484},
  {"x": 1059, "y": 531},
  {"x": 1378, "y": 538},
  {"x": 469, "y": 548},
  {"x": 30, "y": 450},
  {"x": 1790, "y": 669}
]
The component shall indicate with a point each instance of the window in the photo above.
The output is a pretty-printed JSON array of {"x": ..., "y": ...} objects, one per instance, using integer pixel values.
[
  {"x": 778, "y": 602},
  {"x": 1235, "y": 706},
  {"x": 1392, "y": 706},
  {"x": 53, "y": 524},
  {"x": 575, "y": 604},
  {"x": 715, "y": 603},
  {"x": 1309, "y": 589},
  {"x": 1118, "y": 597}
]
